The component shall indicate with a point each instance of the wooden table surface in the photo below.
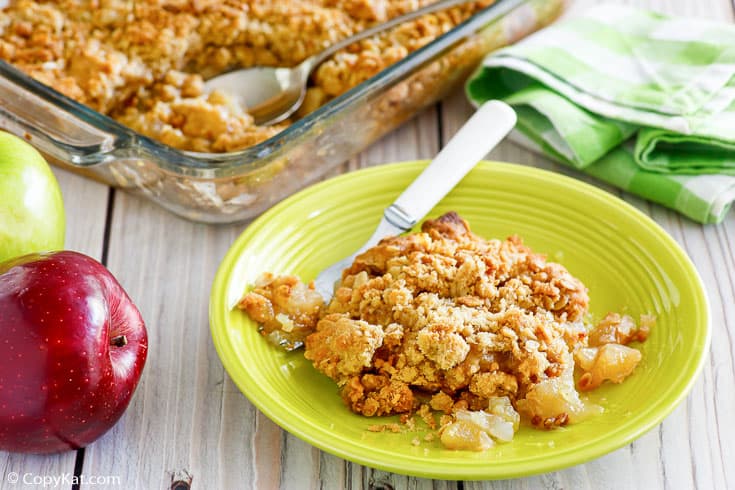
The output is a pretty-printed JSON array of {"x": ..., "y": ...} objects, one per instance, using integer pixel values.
[{"x": 188, "y": 421}]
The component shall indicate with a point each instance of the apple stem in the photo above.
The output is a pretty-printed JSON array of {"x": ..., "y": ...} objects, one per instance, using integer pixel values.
[{"x": 119, "y": 341}]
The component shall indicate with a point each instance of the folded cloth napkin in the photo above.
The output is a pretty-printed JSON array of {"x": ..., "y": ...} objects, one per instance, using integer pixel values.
[{"x": 637, "y": 99}]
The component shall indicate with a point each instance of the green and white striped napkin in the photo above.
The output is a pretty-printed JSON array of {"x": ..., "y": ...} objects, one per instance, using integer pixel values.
[{"x": 637, "y": 99}]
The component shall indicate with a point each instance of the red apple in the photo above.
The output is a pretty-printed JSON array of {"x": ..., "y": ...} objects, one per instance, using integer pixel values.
[{"x": 72, "y": 349}]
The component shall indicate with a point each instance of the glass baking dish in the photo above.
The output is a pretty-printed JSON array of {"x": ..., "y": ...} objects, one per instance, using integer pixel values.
[{"x": 230, "y": 187}]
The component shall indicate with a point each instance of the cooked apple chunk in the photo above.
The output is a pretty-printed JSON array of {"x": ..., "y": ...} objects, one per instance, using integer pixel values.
[{"x": 286, "y": 309}]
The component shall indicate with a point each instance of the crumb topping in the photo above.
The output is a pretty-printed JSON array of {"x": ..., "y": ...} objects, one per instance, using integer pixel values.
[
  {"x": 484, "y": 331},
  {"x": 144, "y": 63}
]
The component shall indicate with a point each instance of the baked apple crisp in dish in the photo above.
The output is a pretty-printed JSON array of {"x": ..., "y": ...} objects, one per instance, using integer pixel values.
[
  {"x": 144, "y": 63},
  {"x": 484, "y": 334},
  {"x": 114, "y": 90}
]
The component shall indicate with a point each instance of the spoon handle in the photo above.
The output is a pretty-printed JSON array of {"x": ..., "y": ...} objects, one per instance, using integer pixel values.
[
  {"x": 370, "y": 31},
  {"x": 480, "y": 134}
]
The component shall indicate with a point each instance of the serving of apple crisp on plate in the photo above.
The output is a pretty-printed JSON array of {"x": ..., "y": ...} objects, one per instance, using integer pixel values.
[
  {"x": 452, "y": 351},
  {"x": 485, "y": 331}
]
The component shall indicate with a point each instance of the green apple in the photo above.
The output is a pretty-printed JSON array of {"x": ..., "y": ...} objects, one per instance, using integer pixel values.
[{"x": 31, "y": 210}]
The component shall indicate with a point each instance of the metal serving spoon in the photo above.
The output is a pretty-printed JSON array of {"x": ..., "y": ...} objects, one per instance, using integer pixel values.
[{"x": 272, "y": 94}]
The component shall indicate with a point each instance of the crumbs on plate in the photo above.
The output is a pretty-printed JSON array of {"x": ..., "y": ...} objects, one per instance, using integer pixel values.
[{"x": 485, "y": 333}]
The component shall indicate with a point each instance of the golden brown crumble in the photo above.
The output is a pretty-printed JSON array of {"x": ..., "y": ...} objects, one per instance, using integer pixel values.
[
  {"x": 483, "y": 331},
  {"x": 143, "y": 63}
]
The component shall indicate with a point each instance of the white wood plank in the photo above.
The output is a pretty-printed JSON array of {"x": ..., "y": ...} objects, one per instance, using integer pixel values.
[
  {"x": 174, "y": 425},
  {"x": 381, "y": 480},
  {"x": 709, "y": 428},
  {"x": 417, "y": 139},
  {"x": 414, "y": 140},
  {"x": 85, "y": 204}
]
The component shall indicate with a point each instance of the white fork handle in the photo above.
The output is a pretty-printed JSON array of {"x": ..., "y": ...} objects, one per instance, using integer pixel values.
[
  {"x": 490, "y": 124},
  {"x": 492, "y": 121}
]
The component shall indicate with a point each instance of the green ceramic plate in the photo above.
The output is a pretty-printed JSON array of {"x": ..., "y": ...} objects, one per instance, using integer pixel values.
[{"x": 627, "y": 261}]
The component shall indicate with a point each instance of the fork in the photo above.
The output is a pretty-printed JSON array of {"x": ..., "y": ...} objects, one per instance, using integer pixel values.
[{"x": 485, "y": 129}]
